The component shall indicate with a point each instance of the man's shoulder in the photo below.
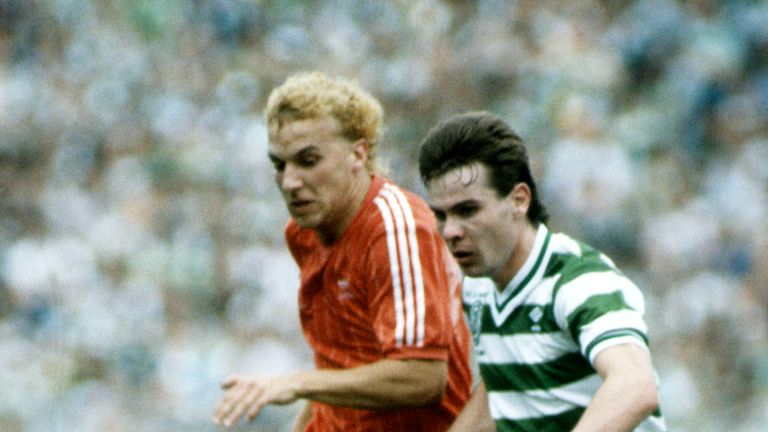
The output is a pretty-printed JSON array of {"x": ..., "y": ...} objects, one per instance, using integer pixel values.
[
  {"x": 583, "y": 269},
  {"x": 299, "y": 240},
  {"x": 571, "y": 257},
  {"x": 395, "y": 204},
  {"x": 293, "y": 232}
]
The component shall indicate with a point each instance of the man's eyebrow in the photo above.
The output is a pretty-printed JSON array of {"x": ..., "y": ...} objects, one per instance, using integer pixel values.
[
  {"x": 301, "y": 153},
  {"x": 454, "y": 207},
  {"x": 461, "y": 204},
  {"x": 468, "y": 201}
]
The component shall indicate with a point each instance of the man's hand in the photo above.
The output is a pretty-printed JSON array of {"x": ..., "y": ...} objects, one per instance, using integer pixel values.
[
  {"x": 247, "y": 395},
  {"x": 384, "y": 384}
]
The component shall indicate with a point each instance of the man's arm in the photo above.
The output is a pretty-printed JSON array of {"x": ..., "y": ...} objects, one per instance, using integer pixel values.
[
  {"x": 302, "y": 419},
  {"x": 383, "y": 384},
  {"x": 628, "y": 394},
  {"x": 475, "y": 416}
]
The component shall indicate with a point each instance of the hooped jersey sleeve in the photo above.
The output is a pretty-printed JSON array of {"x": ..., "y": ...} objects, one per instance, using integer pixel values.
[
  {"x": 409, "y": 289},
  {"x": 600, "y": 307}
]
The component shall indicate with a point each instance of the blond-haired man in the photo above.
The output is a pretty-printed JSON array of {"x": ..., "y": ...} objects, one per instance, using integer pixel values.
[{"x": 379, "y": 294}]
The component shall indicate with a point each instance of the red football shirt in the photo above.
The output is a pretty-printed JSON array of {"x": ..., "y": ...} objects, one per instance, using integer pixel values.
[{"x": 387, "y": 288}]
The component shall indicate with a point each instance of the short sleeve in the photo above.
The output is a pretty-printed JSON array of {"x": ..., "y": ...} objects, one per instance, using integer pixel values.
[
  {"x": 601, "y": 309},
  {"x": 408, "y": 283}
]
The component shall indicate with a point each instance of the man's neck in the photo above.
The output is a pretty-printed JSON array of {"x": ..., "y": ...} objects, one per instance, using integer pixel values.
[
  {"x": 357, "y": 192},
  {"x": 518, "y": 256}
]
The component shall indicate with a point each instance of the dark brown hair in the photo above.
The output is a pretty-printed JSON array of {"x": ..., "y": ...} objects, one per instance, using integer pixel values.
[{"x": 480, "y": 137}]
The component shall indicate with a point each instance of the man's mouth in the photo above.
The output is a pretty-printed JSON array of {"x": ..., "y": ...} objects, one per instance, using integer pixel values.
[
  {"x": 299, "y": 205},
  {"x": 462, "y": 257}
]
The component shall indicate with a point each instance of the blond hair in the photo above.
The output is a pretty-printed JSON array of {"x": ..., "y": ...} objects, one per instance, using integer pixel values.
[{"x": 313, "y": 94}]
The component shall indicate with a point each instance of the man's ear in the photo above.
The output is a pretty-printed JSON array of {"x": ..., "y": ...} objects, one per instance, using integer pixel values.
[
  {"x": 360, "y": 150},
  {"x": 520, "y": 196}
]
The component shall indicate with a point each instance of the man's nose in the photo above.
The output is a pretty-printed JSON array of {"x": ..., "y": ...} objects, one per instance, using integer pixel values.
[
  {"x": 452, "y": 229},
  {"x": 290, "y": 179}
]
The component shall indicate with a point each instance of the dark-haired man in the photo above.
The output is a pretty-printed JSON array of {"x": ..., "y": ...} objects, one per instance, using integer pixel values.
[{"x": 559, "y": 331}]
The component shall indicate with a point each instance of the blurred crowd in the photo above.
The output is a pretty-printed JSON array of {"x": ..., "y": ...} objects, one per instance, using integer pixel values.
[{"x": 141, "y": 249}]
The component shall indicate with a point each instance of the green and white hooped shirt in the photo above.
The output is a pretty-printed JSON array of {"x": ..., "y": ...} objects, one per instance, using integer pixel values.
[{"x": 536, "y": 340}]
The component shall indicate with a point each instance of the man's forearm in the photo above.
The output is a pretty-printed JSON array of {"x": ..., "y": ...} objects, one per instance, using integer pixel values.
[
  {"x": 475, "y": 416},
  {"x": 302, "y": 419},
  {"x": 383, "y": 384},
  {"x": 628, "y": 394},
  {"x": 616, "y": 407}
]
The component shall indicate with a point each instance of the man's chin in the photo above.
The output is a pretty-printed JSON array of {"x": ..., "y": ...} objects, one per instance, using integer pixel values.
[
  {"x": 305, "y": 221},
  {"x": 471, "y": 270}
]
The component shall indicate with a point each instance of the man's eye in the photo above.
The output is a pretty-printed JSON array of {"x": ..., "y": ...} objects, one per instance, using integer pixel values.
[
  {"x": 440, "y": 216},
  {"x": 308, "y": 161},
  {"x": 466, "y": 211},
  {"x": 279, "y": 166}
]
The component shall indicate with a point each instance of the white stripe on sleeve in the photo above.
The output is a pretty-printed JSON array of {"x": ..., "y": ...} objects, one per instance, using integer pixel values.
[
  {"x": 394, "y": 268},
  {"x": 418, "y": 279},
  {"x": 402, "y": 243}
]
